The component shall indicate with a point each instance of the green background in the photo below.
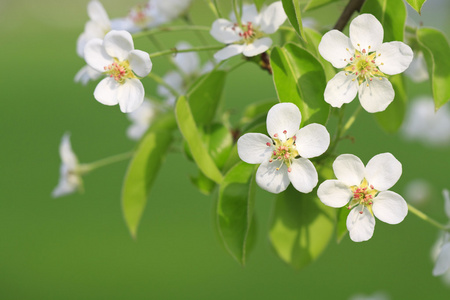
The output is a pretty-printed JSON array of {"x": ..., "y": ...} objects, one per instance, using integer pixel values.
[{"x": 77, "y": 247}]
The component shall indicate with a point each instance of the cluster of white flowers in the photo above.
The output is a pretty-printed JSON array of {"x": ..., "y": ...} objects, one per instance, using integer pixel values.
[{"x": 441, "y": 249}]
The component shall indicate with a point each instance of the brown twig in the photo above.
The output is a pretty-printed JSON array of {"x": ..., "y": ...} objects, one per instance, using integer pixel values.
[{"x": 352, "y": 6}]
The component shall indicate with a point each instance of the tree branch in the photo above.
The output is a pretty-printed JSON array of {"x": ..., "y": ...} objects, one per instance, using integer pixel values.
[{"x": 352, "y": 6}]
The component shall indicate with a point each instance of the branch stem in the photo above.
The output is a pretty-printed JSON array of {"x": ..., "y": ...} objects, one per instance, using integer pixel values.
[
  {"x": 426, "y": 218},
  {"x": 352, "y": 6}
]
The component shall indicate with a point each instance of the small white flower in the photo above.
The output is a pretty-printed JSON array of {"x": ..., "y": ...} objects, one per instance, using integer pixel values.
[
  {"x": 441, "y": 250},
  {"x": 97, "y": 26},
  {"x": 172, "y": 9},
  {"x": 250, "y": 38},
  {"x": 70, "y": 178},
  {"x": 366, "y": 60},
  {"x": 365, "y": 189},
  {"x": 87, "y": 74},
  {"x": 284, "y": 154},
  {"x": 418, "y": 191},
  {"x": 375, "y": 296},
  {"x": 142, "y": 119},
  {"x": 426, "y": 124},
  {"x": 116, "y": 57},
  {"x": 141, "y": 16}
]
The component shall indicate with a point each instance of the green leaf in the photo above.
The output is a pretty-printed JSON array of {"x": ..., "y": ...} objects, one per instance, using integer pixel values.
[
  {"x": 191, "y": 134},
  {"x": 143, "y": 169},
  {"x": 259, "y": 3},
  {"x": 416, "y": 4},
  {"x": 311, "y": 44},
  {"x": 204, "y": 96},
  {"x": 341, "y": 228},
  {"x": 436, "y": 49},
  {"x": 292, "y": 10},
  {"x": 301, "y": 227},
  {"x": 392, "y": 118},
  {"x": 391, "y": 14},
  {"x": 313, "y": 4},
  {"x": 299, "y": 78},
  {"x": 235, "y": 210},
  {"x": 256, "y": 110}
]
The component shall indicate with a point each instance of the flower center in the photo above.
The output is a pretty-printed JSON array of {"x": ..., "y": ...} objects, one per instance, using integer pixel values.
[
  {"x": 363, "y": 195},
  {"x": 284, "y": 151},
  {"x": 249, "y": 33},
  {"x": 119, "y": 70},
  {"x": 363, "y": 65}
]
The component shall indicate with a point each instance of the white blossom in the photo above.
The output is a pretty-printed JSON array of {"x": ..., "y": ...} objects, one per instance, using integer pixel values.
[
  {"x": 116, "y": 57},
  {"x": 86, "y": 74},
  {"x": 365, "y": 190},
  {"x": 142, "y": 118},
  {"x": 172, "y": 9},
  {"x": 417, "y": 70},
  {"x": 70, "y": 178},
  {"x": 249, "y": 38},
  {"x": 366, "y": 61},
  {"x": 418, "y": 191},
  {"x": 441, "y": 249},
  {"x": 425, "y": 124},
  {"x": 284, "y": 154}
]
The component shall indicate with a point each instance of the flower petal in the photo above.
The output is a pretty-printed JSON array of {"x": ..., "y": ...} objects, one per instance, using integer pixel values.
[
  {"x": 225, "y": 31},
  {"x": 336, "y": 48},
  {"x": 283, "y": 117},
  {"x": 360, "y": 225},
  {"x": 312, "y": 140},
  {"x": 377, "y": 96},
  {"x": 249, "y": 14},
  {"x": 341, "y": 89},
  {"x": 394, "y": 57},
  {"x": 189, "y": 62},
  {"x": 334, "y": 193},
  {"x": 349, "y": 169},
  {"x": 140, "y": 62},
  {"x": 417, "y": 70},
  {"x": 383, "y": 171},
  {"x": 390, "y": 207},
  {"x": 66, "y": 185},
  {"x": 443, "y": 261},
  {"x": 130, "y": 95},
  {"x": 271, "y": 179},
  {"x": 272, "y": 17},
  {"x": 257, "y": 47},
  {"x": 366, "y": 33},
  {"x": 96, "y": 56},
  {"x": 228, "y": 52},
  {"x": 252, "y": 148},
  {"x": 85, "y": 74},
  {"x": 66, "y": 153},
  {"x": 446, "y": 195},
  {"x": 303, "y": 175},
  {"x": 106, "y": 91},
  {"x": 97, "y": 13},
  {"x": 118, "y": 44}
]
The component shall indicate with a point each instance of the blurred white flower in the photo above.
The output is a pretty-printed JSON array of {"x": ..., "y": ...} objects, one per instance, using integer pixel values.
[
  {"x": 284, "y": 154},
  {"x": 365, "y": 60},
  {"x": 116, "y": 57},
  {"x": 141, "y": 16},
  {"x": 87, "y": 74},
  {"x": 418, "y": 191},
  {"x": 250, "y": 38},
  {"x": 417, "y": 70},
  {"x": 70, "y": 177},
  {"x": 423, "y": 123},
  {"x": 141, "y": 119},
  {"x": 441, "y": 250},
  {"x": 375, "y": 296},
  {"x": 97, "y": 26},
  {"x": 189, "y": 68},
  {"x": 365, "y": 190},
  {"x": 172, "y": 9}
]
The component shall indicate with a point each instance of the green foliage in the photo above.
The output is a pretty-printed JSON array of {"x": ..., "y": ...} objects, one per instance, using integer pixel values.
[
  {"x": 341, "y": 227},
  {"x": 416, "y": 4},
  {"x": 392, "y": 118},
  {"x": 301, "y": 227},
  {"x": 311, "y": 44},
  {"x": 235, "y": 205},
  {"x": 143, "y": 169},
  {"x": 299, "y": 78},
  {"x": 313, "y": 4},
  {"x": 204, "y": 96},
  {"x": 292, "y": 9},
  {"x": 259, "y": 3},
  {"x": 191, "y": 134},
  {"x": 436, "y": 49},
  {"x": 391, "y": 14}
]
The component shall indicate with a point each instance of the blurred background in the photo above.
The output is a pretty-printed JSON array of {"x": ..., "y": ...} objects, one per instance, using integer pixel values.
[{"x": 78, "y": 247}]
